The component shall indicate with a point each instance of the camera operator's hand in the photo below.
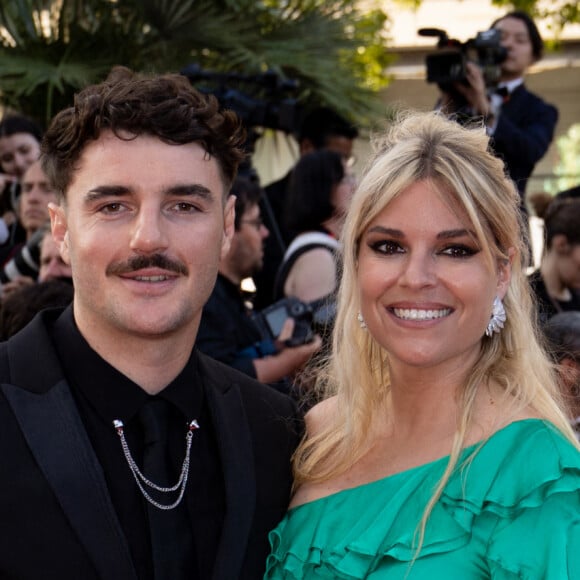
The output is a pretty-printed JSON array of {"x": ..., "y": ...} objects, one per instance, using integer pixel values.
[
  {"x": 475, "y": 93},
  {"x": 14, "y": 285},
  {"x": 285, "y": 335}
]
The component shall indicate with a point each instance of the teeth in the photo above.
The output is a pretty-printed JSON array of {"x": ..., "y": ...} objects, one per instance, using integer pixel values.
[
  {"x": 151, "y": 278},
  {"x": 415, "y": 314}
]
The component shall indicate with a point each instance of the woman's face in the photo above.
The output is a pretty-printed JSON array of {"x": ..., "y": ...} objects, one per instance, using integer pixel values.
[
  {"x": 426, "y": 288},
  {"x": 18, "y": 152}
]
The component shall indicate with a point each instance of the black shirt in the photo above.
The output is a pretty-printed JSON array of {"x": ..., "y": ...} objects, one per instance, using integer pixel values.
[
  {"x": 227, "y": 331},
  {"x": 548, "y": 306},
  {"x": 103, "y": 394}
]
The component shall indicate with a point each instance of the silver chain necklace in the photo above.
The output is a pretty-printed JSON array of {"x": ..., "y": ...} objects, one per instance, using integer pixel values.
[{"x": 141, "y": 480}]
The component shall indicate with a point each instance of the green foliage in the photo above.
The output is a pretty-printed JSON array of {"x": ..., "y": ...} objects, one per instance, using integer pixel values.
[
  {"x": 51, "y": 48},
  {"x": 568, "y": 167},
  {"x": 558, "y": 13}
]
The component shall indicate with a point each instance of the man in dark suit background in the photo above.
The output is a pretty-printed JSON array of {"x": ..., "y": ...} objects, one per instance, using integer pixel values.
[
  {"x": 521, "y": 125},
  {"x": 126, "y": 454}
]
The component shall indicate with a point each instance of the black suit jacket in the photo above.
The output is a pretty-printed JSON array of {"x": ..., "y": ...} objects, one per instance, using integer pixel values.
[
  {"x": 56, "y": 516},
  {"x": 524, "y": 131}
]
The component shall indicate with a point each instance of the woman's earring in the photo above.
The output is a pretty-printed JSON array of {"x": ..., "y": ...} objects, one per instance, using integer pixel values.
[
  {"x": 498, "y": 317},
  {"x": 361, "y": 321}
]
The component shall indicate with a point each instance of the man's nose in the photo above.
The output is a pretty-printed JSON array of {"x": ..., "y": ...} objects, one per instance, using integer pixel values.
[{"x": 149, "y": 234}]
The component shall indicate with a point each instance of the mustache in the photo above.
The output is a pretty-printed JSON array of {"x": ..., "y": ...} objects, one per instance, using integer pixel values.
[{"x": 136, "y": 263}]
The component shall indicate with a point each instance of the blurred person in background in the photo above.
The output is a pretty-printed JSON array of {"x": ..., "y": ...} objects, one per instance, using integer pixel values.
[
  {"x": 52, "y": 266},
  {"x": 19, "y": 148},
  {"x": 321, "y": 128},
  {"x": 318, "y": 197},
  {"x": 556, "y": 283},
  {"x": 21, "y": 306},
  {"x": 228, "y": 331},
  {"x": 520, "y": 123},
  {"x": 563, "y": 335},
  {"x": 21, "y": 262}
]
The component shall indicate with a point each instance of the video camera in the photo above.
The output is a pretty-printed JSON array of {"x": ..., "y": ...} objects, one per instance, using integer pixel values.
[
  {"x": 447, "y": 66},
  {"x": 309, "y": 318},
  {"x": 266, "y": 100},
  {"x": 270, "y": 321}
]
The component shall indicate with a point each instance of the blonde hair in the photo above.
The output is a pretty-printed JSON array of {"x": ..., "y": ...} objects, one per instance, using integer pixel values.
[{"x": 416, "y": 147}]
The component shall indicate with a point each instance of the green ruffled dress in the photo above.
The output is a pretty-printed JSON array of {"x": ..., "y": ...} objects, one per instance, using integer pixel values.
[{"x": 512, "y": 512}]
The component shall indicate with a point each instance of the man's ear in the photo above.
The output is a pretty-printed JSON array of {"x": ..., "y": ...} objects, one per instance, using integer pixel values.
[
  {"x": 504, "y": 274},
  {"x": 59, "y": 227},
  {"x": 229, "y": 225}
]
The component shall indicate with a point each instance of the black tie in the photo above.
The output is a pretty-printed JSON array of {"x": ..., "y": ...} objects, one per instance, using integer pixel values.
[{"x": 171, "y": 538}]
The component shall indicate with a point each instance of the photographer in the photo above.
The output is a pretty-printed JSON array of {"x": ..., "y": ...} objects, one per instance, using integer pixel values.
[
  {"x": 227, "y": 331},
  {"x": 520, "y": 123},
  {"x": 22, "y": 261},
  {"x": 19, "y": 148}
]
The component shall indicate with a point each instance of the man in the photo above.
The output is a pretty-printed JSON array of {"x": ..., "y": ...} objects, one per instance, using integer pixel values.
[
  {"x": 520, "y": 123},
  {"x": 21, "y": 262},
  {"x": 52, "y": 266},
  {"x": 19, "y": 148},
  {"x": 95, "y": 399},
  {"x": 227, "y": 332},
  {"x": 321, "y": 128}
]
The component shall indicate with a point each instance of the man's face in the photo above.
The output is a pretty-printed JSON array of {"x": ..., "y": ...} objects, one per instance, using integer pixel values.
[
  {"x": 51, "y": 263},
  {"x": 246, "y": 255},
  {"x": 36, "y": 194},
  {"x": 337, "y": 143},
  {"x": 515, "y": 38},
  {"x": 144, "y": 226},
  {"x": 18, "y": 152},
  {"x": 341, "y": 145}
]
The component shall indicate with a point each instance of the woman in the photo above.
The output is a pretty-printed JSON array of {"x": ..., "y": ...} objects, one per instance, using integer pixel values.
[
  {"x": 556, "y": 284},
  {"x": 441, "y": 450},
  {"x": 318, "y": 197}
]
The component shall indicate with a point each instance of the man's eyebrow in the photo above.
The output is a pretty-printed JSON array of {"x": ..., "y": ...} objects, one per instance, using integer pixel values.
[
  {"x": 102, "y": 191},
  {"x": 193, "y": 189}
]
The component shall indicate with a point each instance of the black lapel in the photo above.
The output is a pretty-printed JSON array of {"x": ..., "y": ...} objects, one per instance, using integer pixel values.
[
  {"x": 235, "y": 445},
  {"x": 516, "y": 104},
  {"x": 57, "y": 438}
]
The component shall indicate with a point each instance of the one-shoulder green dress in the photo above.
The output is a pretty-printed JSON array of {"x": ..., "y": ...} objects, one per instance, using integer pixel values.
[{"x": 512, "y": 512}]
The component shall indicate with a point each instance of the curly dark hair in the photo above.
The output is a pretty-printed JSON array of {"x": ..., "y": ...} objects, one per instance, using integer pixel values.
[{"x": 130, "y": 104}]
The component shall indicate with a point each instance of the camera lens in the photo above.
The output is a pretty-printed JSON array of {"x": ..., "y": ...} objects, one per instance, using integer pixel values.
[{"x": 297, "y": 309}]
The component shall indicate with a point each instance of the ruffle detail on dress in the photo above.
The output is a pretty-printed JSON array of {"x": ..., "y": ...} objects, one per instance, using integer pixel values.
[{"x": 314, "y": 540}]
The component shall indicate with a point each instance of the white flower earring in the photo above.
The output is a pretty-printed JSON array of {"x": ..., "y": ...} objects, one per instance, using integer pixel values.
[
  {"x": 498, "y": 317},
  {"x": 361, "y": 321}
]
